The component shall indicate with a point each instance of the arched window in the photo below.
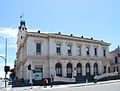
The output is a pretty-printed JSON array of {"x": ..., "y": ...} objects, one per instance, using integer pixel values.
[
  {"x": 58, "y": 68},
  {"x": 87, "y": 69},
  {"x": 95, "y": 69},
  {"x": 69, "y": 70},
  {"x": 79, "y": 69}
]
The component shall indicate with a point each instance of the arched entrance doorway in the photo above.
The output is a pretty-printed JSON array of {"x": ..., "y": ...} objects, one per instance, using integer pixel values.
[
  {"x": 79, "y": 69},
  {"x": 58, "y": 68},
  {"x": 87, "y": 69},
  {"x": 69, "y": 70},
  {"x": 95, "y": 69}
]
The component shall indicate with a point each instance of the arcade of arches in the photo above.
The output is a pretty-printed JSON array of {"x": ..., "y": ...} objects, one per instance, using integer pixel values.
[{"x": 69, "y": 69}]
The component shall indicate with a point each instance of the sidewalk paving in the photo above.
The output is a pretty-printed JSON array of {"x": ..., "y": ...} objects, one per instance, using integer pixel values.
[{"x": 9, "y": 88}]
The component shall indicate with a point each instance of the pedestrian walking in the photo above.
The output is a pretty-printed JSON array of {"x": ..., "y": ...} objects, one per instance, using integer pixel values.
[{"x": 45, "y": 82}]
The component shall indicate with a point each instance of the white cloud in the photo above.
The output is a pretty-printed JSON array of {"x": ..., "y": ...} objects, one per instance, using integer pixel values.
[
  {"x": 8, "y": 32},
  {"x": 1, "y": 54},
  {"x": 11, "y": 35}
]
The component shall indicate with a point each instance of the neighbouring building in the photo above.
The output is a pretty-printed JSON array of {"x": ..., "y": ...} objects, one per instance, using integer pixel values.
[
  {"x": 115, "y": 60},
  {"x": 68, "y": 58}
]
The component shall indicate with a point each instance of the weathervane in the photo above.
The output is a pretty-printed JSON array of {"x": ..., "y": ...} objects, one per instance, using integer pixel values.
[{"x": 22, "y": 16}]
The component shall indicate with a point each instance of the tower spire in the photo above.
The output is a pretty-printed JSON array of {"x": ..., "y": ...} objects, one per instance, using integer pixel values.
[{"x": 22, "y": 25}]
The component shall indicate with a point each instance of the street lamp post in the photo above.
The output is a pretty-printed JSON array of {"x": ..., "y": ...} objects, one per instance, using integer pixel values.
[{"x": 5, "y": 58}]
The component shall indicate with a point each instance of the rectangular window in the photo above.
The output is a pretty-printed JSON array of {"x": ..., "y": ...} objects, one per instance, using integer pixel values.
[
  {"x": 69, "y": 50},
  {"x": 108, "y": 69},
  {"x": 117, "y": 69},
  {"x": 95, "y": 50},
  {"x": 38, "y": 48},
  {"x": 58, "y": 49},
  {"x": 104, "y": 53},
  {"x": 114, "y": 69},
  {"x": 116, "y": 59},
  {"x": 79, "y": 50},
  {"x": 87, "y": 51},
  {"x": 104, "y": 69}
]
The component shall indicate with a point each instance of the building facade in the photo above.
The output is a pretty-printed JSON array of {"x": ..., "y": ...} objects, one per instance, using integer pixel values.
[{"x": 59, "y": 55}]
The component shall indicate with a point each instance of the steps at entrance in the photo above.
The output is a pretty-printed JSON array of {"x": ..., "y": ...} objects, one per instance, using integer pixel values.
[
  {"x": 106, "y": 75},
  {"x": 64, "y": 79}
]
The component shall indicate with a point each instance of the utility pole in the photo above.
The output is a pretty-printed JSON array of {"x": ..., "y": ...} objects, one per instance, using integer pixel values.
[{"x": 5, "y": 58}]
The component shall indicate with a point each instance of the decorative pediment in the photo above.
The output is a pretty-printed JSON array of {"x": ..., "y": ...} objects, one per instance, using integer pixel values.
[
  {"x": 39, "y": 41},
  {"x": 87, "y": 45},
  {"x": 69, "y": 43},
  {"x": 104, "y": 48},
  {"x": 95, "y": 46},
  {"x": 58, "y": 42},
  {"x": 79, "y": 44}
]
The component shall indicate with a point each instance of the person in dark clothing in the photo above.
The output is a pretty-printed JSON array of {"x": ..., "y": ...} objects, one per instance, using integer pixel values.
[{"x": 51, "y": 80}]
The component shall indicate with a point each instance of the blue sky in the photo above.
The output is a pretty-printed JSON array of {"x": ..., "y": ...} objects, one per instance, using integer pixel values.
[{"x": 99, "y": 19}]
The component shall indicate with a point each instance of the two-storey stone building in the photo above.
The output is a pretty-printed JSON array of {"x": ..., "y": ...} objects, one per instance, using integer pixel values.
[{"x": 63, "y": 56}]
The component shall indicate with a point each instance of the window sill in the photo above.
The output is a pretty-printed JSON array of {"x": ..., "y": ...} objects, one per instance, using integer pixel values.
[
  {"x": 79, "y": 54},
  {"x": 38, "y": 53},
  {"x": 69, "y": 54},
  {"x": 59, "y": 54}
]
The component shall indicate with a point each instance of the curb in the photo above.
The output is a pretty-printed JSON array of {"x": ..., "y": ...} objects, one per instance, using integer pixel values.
[{"x": 90, "y": 84}]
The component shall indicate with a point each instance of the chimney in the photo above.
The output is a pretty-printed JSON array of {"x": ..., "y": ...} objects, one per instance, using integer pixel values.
[
  {"x": 71, "y": 35},
  {"x": 59, "y": 33},
  {"x": 38, "y": 31},
  {"x": 81, "y": 36}
]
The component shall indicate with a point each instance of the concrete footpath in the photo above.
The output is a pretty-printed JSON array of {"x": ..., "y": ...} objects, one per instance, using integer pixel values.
[{"x": 33, "y": 88}]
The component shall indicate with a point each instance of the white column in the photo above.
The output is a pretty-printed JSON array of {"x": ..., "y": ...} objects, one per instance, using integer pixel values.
[
  {"x": 91, "y": 69},
  {"x": 83, "y": 69},
  {"x": 83, "y": 50},
  {"x": 52, "y": 68},
  {"x": 52, "y": 71},
  {"x": 64, "y": 69},
  {"x": 74, "y": 69},
  {"x": 91, "y": 51},
  {"x": 100, "y": 68}
]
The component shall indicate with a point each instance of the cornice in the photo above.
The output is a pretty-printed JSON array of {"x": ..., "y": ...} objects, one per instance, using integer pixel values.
[
  {"x": 65, "y": 58},
  {"x": 60, "y": 58},
  {"x": 37, "y": 57},
  {"x": 42, "y": 35}
]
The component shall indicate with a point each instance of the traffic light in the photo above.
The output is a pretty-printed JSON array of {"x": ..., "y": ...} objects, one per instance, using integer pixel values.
[
  {"x": 6, "y": 68},
  {"x": 29, "y": 67},
  {"x": 33, "y": 71}
]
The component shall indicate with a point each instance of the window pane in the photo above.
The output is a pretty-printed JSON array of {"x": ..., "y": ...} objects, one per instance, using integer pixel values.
[
  {"x": 69, "y": 49},
  {"x": 104, "y": 53},
  {"x": 116, "y": 60},
  {"x": 95, "y": 50},
  {"x": 79, "y": 50},
  {"x": 87, "y": 50},
  {"x": 58, "y": 49},
  {"x": 38, "y": 48}
]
